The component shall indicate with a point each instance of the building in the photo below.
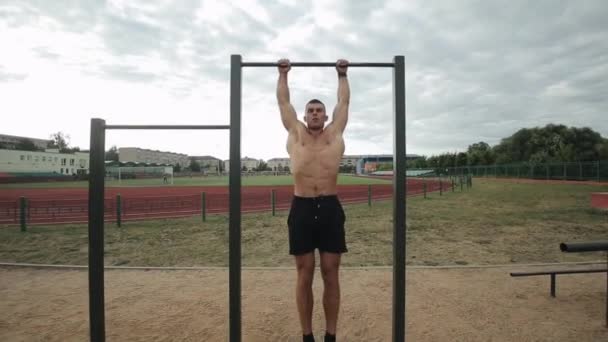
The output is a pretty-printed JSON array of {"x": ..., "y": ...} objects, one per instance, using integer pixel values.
[
  {"x": 373, "y": 162},
  {"x": 278, "y": 164},
  {"x": 247, "y": 164},
  {"x": 51, "y": 161},
  {"x": 10, "y": 142},
  {"x": 208, "y": 164},
  {"x": 140, "y": 155}
]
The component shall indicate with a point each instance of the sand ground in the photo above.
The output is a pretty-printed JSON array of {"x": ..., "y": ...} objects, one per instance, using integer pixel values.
[{"x": 466, "y": 304}]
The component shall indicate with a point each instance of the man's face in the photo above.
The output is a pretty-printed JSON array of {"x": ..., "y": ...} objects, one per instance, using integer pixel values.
[{"x": 315, "y": 116}]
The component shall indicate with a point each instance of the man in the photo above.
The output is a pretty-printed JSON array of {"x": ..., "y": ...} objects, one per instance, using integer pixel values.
[{"x": 316, "y": 219}]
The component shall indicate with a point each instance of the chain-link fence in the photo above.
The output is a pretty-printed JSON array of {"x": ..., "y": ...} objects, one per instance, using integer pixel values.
[{"x": 578, "y": 171}]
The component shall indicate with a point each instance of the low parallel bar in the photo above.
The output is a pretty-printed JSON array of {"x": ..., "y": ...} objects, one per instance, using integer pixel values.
[
  {"x": 318, "y": 64},
  {"x": 577, "y": 247},
  {"x": 167, "y": 127}
]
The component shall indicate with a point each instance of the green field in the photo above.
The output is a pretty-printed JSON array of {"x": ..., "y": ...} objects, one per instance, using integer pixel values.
[
  {"x": 196, "y": 181},
  {"x": 496, "y": 222}
]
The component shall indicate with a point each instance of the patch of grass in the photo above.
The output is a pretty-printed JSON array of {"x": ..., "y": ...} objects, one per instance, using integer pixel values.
[{"x": 496, "y": 222}]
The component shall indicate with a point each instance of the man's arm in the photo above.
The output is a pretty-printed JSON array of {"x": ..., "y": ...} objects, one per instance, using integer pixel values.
[
  {"x": 288, "y": 113},
  {"x": 340, "y": 116}
]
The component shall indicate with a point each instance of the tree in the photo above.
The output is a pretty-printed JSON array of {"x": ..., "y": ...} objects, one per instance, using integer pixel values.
[
  {"x": 112, "y": 154},
  {"x": 60, "y": 140},
  {"x": 262, "y": 166},
  {"x": 195, "y": 166},
  {"x": 286, "y": 168},
  {"x": 25, "y": 144},
  {"x": 461, "y": 159},
  {"x": 2, "y": 145},
  {"x": 177, "y": 168}
]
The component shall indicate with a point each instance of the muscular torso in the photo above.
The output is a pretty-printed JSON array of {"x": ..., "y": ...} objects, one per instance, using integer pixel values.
[{"x": 315, "y": 161}]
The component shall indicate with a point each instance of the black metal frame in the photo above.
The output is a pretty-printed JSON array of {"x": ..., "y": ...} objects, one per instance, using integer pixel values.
[
  {"x": 96, "y": 209},
  {"x": 97, "y": 182}
]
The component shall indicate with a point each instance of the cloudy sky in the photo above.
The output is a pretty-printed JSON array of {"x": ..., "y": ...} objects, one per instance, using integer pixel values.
[{"x": 476, "y": 70}]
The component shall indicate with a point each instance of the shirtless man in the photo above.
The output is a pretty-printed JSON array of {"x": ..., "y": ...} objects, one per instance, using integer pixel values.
[{"x": 316, "y": 219}]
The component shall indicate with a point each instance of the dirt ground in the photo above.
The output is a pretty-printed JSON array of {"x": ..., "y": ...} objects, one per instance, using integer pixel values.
[{"x": 466, "y": 304}]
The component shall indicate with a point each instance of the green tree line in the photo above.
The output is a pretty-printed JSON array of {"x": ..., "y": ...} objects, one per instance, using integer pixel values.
[{"x": 552, "y": 143}]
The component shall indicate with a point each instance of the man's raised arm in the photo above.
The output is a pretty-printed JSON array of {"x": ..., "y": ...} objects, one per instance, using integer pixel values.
[
  {"x": 288, "y": 113},
  {"x": 340, "y": 116}
]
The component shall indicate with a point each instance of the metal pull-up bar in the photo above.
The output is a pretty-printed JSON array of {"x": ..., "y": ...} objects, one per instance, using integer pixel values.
[
  {"x": 167, "y": 127},
  {"x": 318, "y": 64},
  {"x": 399, "y": 191}
]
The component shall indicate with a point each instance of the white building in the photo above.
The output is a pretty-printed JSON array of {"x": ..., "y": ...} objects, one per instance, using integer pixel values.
[
  {"x": 246, "y": 162},
  {"x": 44, "y": 162},
  {"x": 278, "y": 164},
  {"x": 209, "y": 164},
  {"x": 140, "y": 155}
]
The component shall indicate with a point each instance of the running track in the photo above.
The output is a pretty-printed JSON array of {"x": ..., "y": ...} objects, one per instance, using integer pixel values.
[{"x": 53, "y": 206}]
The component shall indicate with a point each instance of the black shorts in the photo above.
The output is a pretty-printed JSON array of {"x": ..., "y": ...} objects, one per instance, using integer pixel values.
[{"x": 316, "y": 222}]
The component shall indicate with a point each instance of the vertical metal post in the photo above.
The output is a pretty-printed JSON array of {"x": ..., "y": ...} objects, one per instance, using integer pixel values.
[
  {"x": 272, "y": 201},
  {"x": 22, "y": 213},
  {"x": 580, "y": 171},
  {"x": 553, "y": 285},
  {"x": 598, "y": 171},
  {"x": 118, "y": 211},
  {"x": 440, "y": 187},
  {"x": 96, "y": 198},
  {"x": 369, "y": 195},
  {"x": 204, "y": 206},
  {"x": 424, "y": 188},
  {"x": 234, "y": 235},
  {"x": 399, "y": 201}
]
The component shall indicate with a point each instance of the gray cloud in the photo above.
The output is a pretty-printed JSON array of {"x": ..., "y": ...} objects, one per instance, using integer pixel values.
[
  {"x": 6, "y": 76},
  {"x": 476, "y": 70}
]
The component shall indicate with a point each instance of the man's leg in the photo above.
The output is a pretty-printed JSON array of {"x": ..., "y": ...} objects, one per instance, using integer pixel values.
[
  {"x": 305, "y": 265},
  {"x": 330, "y": 265}
]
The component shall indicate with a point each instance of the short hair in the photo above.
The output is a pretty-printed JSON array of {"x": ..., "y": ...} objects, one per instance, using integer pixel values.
[{"x": 315, "y": 101}]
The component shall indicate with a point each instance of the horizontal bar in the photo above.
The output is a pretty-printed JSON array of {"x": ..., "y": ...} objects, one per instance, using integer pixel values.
[
  {"x": 527, "y": 274},
  {"x": 167, "y": 127},
  {"x": 317, "y": 64},
  {"x": 592, "y": 246}
]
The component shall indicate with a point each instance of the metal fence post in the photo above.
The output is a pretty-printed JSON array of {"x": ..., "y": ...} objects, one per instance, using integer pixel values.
[
  {"x": 273, "y": 200},
  {"x": 118, "y": 210},
  {"x": 204, "y": 206},
  {"x": 453, "y": 185},
  {"x": 440, "y": 187},
  {"x": 22, "y": 213},
  {"x": 369, "y": 195},
  {"x": 424, "y": 188}
]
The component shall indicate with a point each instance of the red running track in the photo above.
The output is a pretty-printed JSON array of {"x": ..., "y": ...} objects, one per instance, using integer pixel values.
[{"x": 54, "y": 206}]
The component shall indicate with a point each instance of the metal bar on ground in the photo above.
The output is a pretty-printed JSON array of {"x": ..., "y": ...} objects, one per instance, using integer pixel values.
[
  {"x": 318, "y": 64},
  {"x": 234, "y": 229},
  {"x": 553, "y": 285},
  {"x": 96, "y": 207},
  {"x": 592, "y": 246},
  {"x": 167, "y": 127},
  {"x": 399, "y": 200}
]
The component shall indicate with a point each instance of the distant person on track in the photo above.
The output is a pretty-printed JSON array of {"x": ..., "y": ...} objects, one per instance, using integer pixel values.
[{"x": 316, "y": 218}]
